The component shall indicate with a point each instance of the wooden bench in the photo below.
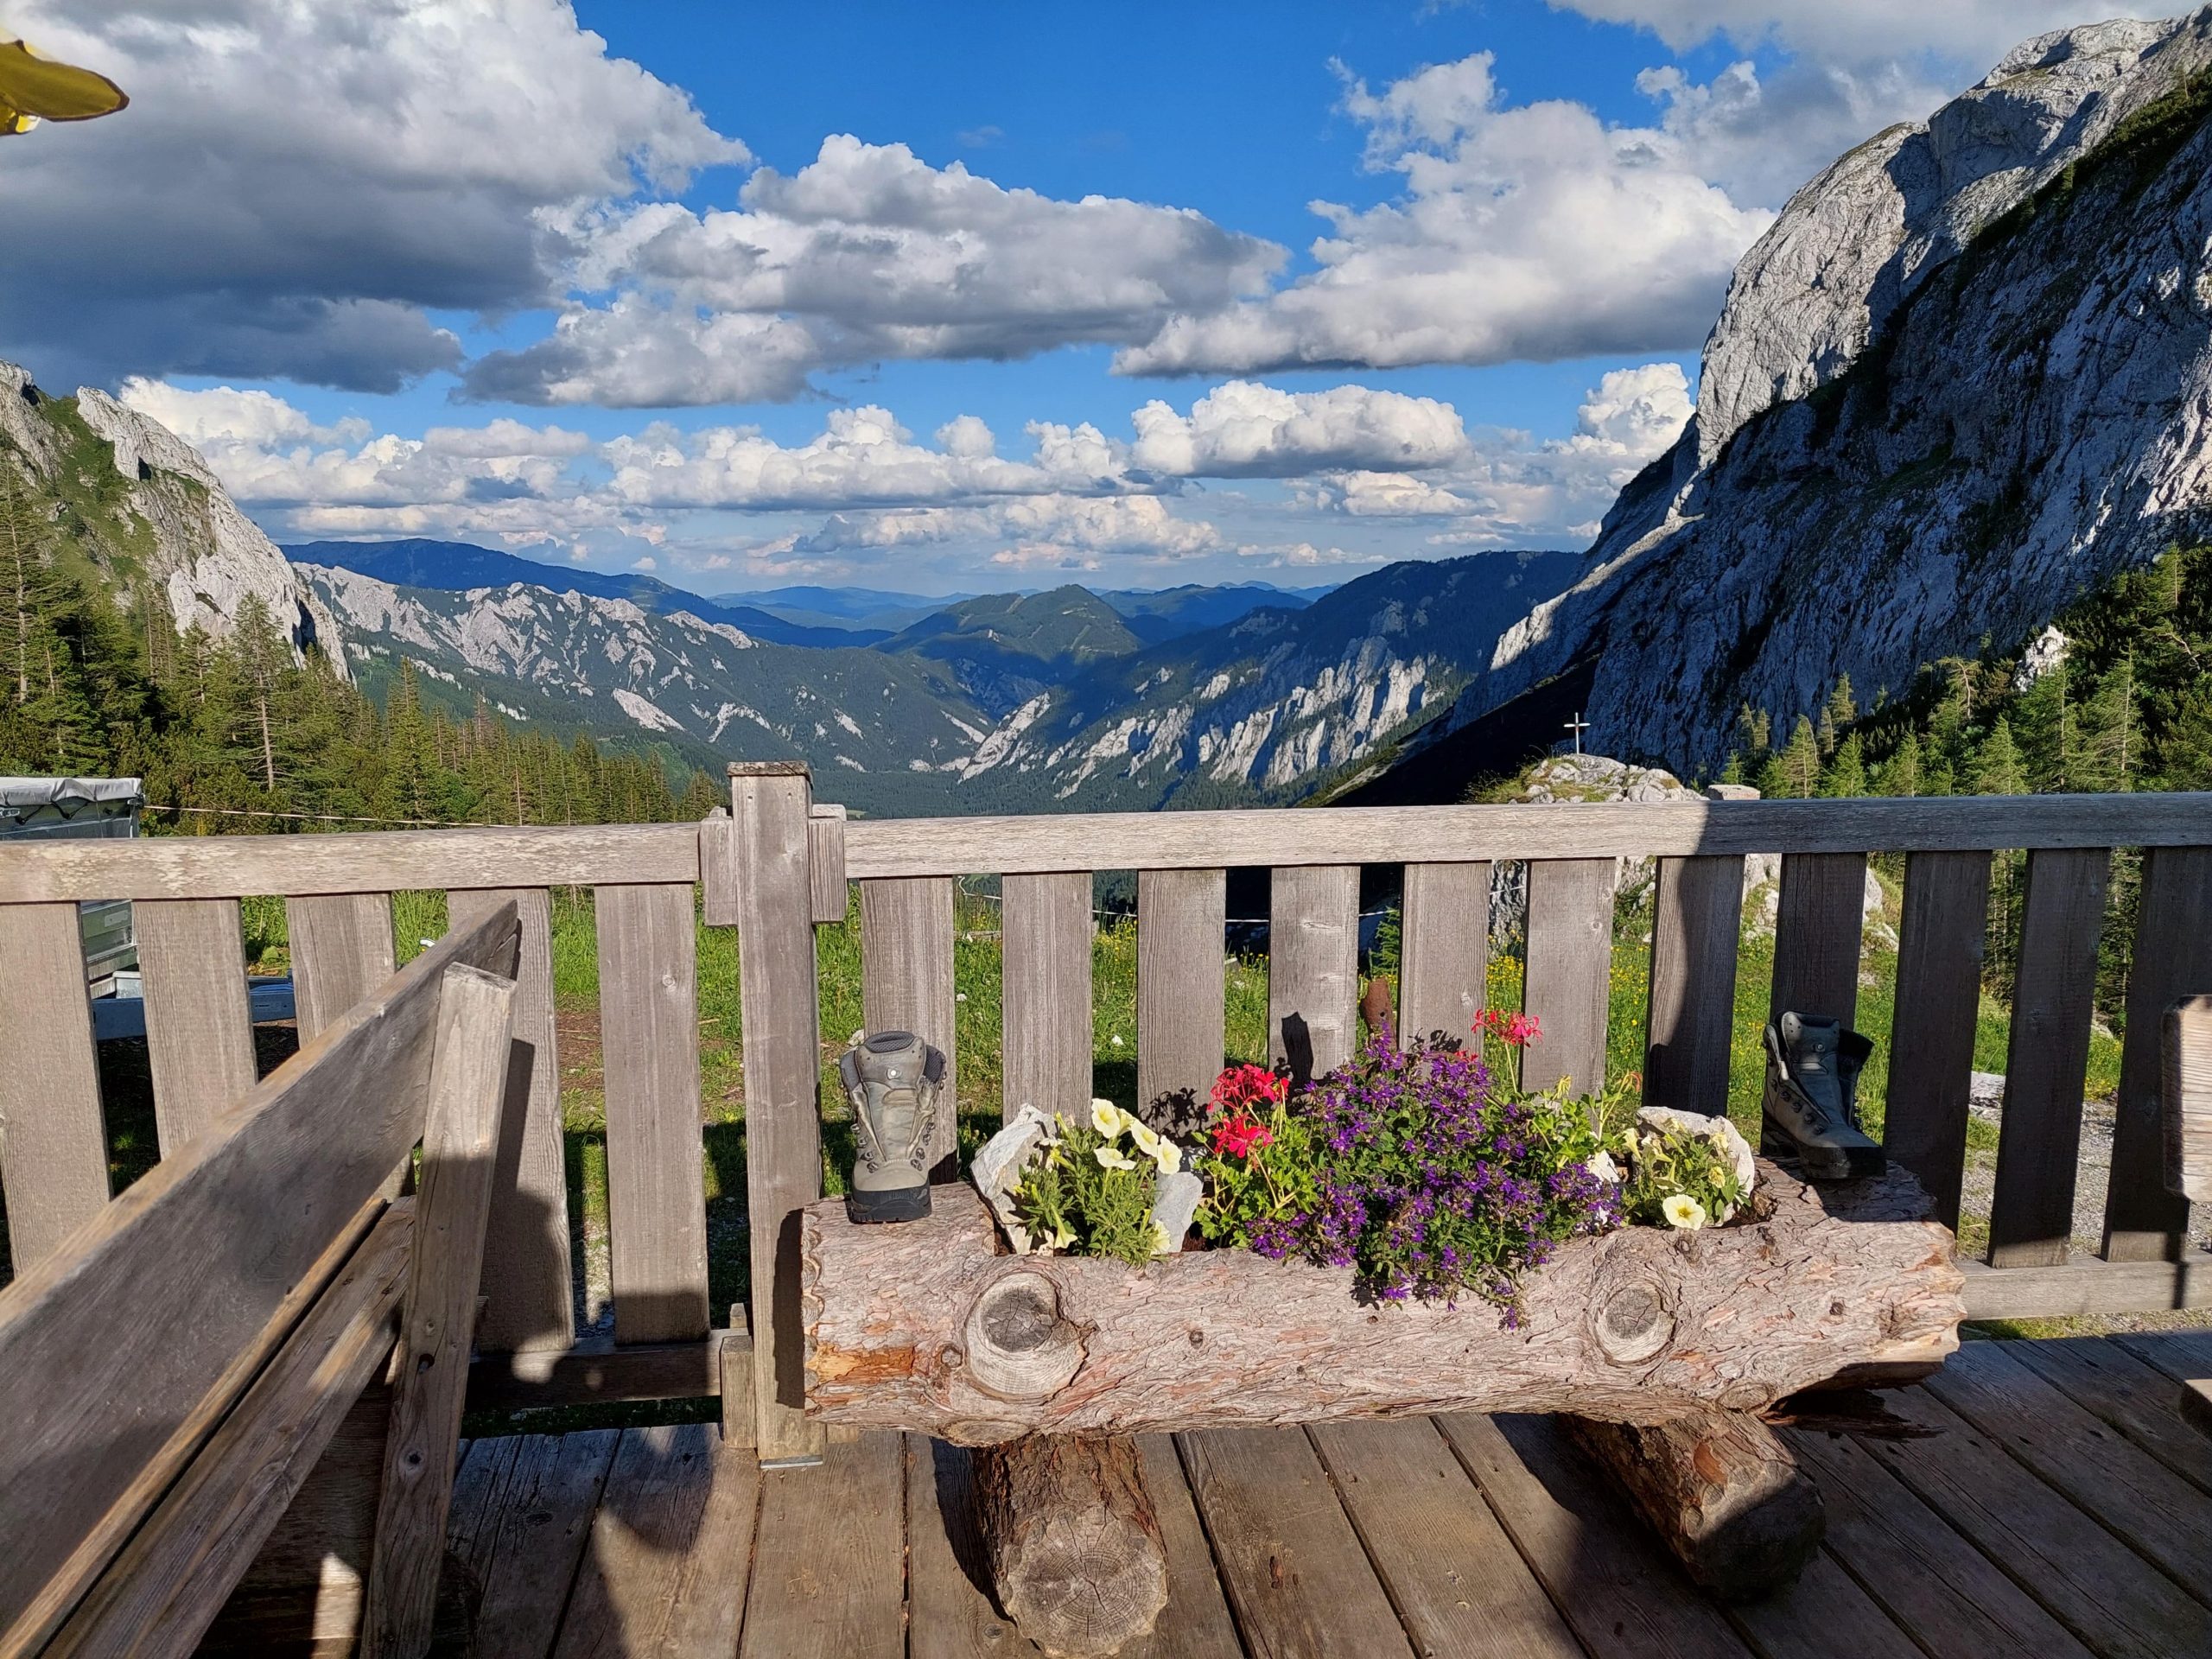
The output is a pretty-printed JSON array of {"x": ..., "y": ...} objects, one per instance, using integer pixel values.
[{"x": 171, "y": 1373}]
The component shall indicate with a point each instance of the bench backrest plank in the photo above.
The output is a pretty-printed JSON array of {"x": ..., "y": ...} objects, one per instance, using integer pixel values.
[
  {"x": 105, "y": 1401},
  {"x": 56, "y": 1145}
]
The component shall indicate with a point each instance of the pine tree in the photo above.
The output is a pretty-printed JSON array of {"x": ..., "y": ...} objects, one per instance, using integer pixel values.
[
  {"x": 1998, "y": 769},
  {"x": 1900, "y": 775},
  {"x": 1799, "y": 761},
  {"x": 1846, "y": 775}
]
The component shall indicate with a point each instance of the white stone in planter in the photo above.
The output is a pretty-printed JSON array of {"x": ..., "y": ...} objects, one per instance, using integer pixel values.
[
  {"x": 1667, "y": 1119},
  {"x": 1175, "y": 1206},
  {"x": 997, "y": 1170}
]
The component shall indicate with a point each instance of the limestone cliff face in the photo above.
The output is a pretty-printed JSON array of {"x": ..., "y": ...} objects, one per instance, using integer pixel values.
[
  {"x": 1966, "y": 375},
  {"x": 137, "y": 501}
]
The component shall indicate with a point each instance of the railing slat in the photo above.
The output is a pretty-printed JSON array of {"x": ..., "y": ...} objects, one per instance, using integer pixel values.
[
  {"x": 341, "y": 950},
  {"x": 2172, "y": 959},
  {"x": 1443, "y": 948},
  {"x": 1313, "y": 965},
  {"x": 1939, "y": 946},
  {"x": 53, "y": 1154},
  {"x": 906, "y": 984},
  {"x": 1568, "y": 983},
  {"x": 526, "y": 1277},
  {"x": 649, "y": 1036},
  {"x": 1817, "y": 935},
  {"x": 1182, "y": 917},
  {"x": 825, "y": 861},
  {"x": 1697, "y": 924},
  {"x": 2047, "y": 1061},
  {"x": 1046, "y": 994},
  {"x": 783, "y": 1083},
  {"x": 199, "y": 1017}
]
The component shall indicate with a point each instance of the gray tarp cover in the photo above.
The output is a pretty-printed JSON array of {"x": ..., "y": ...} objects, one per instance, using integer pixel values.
[{"x": 67, "y": 793}]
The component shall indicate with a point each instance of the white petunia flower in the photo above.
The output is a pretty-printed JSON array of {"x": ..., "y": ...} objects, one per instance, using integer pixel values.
[{"x": 1683, "y": 1212}]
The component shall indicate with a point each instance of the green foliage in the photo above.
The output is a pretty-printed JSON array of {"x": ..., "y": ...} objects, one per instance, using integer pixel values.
[
  {"x": 1666, "y": 1167},
  {"x": 1091, "y": 1191}
]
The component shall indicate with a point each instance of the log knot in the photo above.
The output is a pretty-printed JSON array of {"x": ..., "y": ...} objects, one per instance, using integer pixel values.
[
  {"x": 1632, "y": 1322},
  {"x": 1020, "y": 1345}
]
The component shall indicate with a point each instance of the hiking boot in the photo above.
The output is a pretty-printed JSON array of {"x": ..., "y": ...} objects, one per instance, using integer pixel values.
[
  {"x": 1811, "y": 1110},
  {"x": 891, "y": 1079}
]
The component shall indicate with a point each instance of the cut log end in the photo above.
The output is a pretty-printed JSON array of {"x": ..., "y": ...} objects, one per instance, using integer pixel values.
[
  {"x": 1067, "y": 1529},
  {"x": 1722, "y": 1490}
]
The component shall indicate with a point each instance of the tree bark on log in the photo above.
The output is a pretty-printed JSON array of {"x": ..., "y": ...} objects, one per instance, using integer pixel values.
[
  {"x": 1723, "y": 1492},
  {"x": 1067, "y": 1527},
  {"x": 928, "y": 1326}
]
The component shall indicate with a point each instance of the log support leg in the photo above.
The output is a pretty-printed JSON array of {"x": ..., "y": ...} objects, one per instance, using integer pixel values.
[
  {"x": 1721, "y": 1490},
  {"x": 1067, "y": 1529}
]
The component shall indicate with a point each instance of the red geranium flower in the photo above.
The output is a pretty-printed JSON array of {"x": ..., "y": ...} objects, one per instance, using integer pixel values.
[{"x": 1237, "y": 1136}]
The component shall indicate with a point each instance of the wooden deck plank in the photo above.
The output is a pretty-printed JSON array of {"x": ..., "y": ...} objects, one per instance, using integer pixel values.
[
  {"x": 1611, "y": 1580},
  {"x": 2047, "y": 1058},
  {"x": 2129, "y": 1394},
  {"x": 1825, "y": 1615},
  {"x": 1181, "y": 995},
  {"x": 1313, "y": 966},
  {"x": 664, "y": 1575},
  {"x": 1443, "y": 952},
  {"x": 827, "y": 1575},
  {"x": 1293, "y": 1565},
  {"x": 1570, "y": 963},
  {"x": 1926, "y": 1577},
  {"x": 481, "y": 1482},
  {"x": 2110, "y": 1597},
  {"x": 199, "y": 1023},
  {"x": 56, "y": 1168},
  {"x": 546, "y": 1505},
  {"x": 526, "y": 1271},
  {"x": 1697, "y": 925},
  {"x": 949, "y": 1613},
  {"x": 2164, "y": 1517},
  {"x": 1046, "y": 998},
  {"x": 1939, "y": 946},
  {"x": 656, "y": 1188},
  {"x": 906, "y": 984},
  {"x": 1461, "y": 1589}
]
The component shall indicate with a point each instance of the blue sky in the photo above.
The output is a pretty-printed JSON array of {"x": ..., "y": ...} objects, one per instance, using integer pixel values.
[{"x": 942, "y": 297}]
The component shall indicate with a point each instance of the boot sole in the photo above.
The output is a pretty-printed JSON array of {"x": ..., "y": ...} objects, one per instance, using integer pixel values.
[
  {"x": 888, "y": 1204},
  {"x": 1833, "y": 1164}
]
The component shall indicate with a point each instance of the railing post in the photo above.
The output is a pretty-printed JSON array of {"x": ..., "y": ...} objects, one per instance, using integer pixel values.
[{"x": 771, "y": 878}]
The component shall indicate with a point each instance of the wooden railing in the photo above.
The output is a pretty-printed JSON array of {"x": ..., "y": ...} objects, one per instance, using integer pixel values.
[{"x": 777, "y": 865}]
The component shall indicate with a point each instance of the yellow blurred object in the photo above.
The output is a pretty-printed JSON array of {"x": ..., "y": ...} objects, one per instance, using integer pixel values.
[{"x": 34, "y": 89}]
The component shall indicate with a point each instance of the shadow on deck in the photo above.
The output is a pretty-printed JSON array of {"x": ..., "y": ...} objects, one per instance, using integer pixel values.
[{"x": 2063, "y": 1508}]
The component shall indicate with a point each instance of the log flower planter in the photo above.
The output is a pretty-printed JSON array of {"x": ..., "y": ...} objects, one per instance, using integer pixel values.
[{"x": 931, "y": 1326}]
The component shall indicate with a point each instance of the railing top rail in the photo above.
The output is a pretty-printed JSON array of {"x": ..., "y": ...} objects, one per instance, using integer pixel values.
[
  {"x": 192, "y": 867},
  {"x": 1121, "y": 841},
  {"x": 229, "y": 867}
]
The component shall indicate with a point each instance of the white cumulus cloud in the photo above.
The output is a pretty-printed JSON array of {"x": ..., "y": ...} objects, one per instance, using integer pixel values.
[{"x": 1246, "y": 430}]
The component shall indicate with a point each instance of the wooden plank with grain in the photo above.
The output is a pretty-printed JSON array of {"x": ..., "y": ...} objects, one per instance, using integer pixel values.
[
  {"x": 51, "y": 1128},
  {"x": 2047, "y": 1059},
  {"x": 1294, "y": 1568},
  {"x": 342, "y": 949},
  {"x": 907, "y": 984},
  {"x": 529, "y": 1303},
  {"x": 829, "y": 1572},
  {"x": 544, "y": 1521},
  {"x": 1567, "y": 984},
  {"x": 460, "y": 1144},
  {"x": 198, "y": 1021},
  {"x": 234, "y": 867},
  {"x": 1046, "y": 995},
  {"x": 106, "y": 1406},
  {"x": 1313, "y": 967},
  {"x": 1460, "y": 1587},
  {"x": 2108, "y": 1596},
  {"x": 1399, "y": 835},
  {"x": 664, "y": 1572},
  {"x": 825, "y": 861},
  {"x": 2130, "y": 1491},
  {"x": 1697, "y": 923},
  {"x": 1444, "y": 950},
  {"x": 2088, "y": 1288},
  {"x": 2185, "y": 1096},
  {"x": 1824, "y": 1615},
  {"x": 1940, "y": 945},
  {"x": 1181, "y": 995},
  {"x": 1926, "y": 1577},
  {"x": 2145, "y": 1220},
  {"x": 783, "y": 1059},
  {"x": 2124, "y": 1393},
  {"x": 1818, "y": 929},
  {"x": 168, "y": 1584},
  {"x": 656, "y": 1182}
]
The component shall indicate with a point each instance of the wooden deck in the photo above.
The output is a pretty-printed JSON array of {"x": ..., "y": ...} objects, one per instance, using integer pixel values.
[{"x": 2062, "y": 1509}]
